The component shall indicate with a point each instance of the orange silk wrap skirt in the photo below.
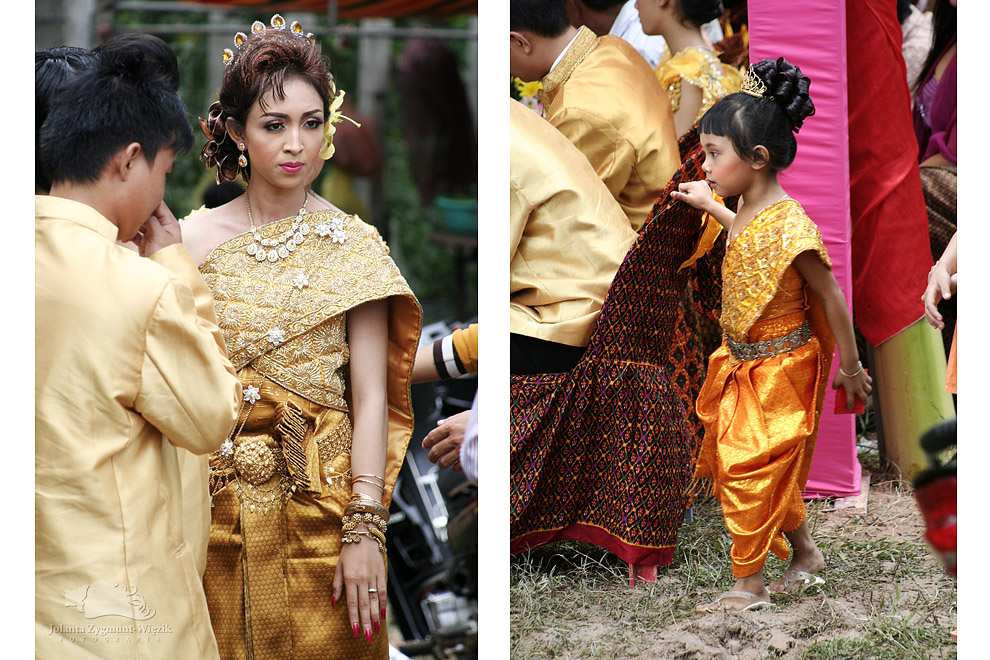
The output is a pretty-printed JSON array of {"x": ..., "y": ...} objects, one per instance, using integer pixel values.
[{"x": 760, "y": 420}]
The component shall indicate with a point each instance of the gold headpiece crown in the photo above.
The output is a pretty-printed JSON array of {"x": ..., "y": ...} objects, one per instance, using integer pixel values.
[
  {"x": 752, "y": 84},
  {"x": 277, "y": 22}
]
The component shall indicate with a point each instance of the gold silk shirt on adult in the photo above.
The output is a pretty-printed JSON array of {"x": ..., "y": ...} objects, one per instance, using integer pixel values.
[
  {"x": 126, "y": 349},
  {"x": 567, "y": 236},
  {"x": 607, "y": 101}
]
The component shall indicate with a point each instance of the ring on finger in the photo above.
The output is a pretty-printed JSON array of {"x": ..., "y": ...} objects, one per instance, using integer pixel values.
[{"x": 372, "y": 590}]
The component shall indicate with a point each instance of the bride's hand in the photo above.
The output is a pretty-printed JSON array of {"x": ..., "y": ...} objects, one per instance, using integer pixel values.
[{"x": 361, "y": 574}]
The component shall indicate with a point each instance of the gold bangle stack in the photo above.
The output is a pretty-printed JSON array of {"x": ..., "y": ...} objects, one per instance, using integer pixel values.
[{"x": 369, "y": 513}]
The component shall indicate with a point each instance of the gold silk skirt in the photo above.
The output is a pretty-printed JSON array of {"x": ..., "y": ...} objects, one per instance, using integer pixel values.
[
  {"x": 760, "y": 420},
  {"x": 273, "y": 552}
]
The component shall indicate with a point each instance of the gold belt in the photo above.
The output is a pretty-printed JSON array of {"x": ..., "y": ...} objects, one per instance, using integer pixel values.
[{"x": 770, "y": 347}]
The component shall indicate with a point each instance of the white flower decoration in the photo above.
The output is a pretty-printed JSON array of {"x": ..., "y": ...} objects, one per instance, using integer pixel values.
[
  {"x": 276, "y": 336},
  {"x": 227, "y": 448},
  {"x": 252, "y": 394},
  {"x": 302, "y": 279},
  {"x": 334, "y": 228}
]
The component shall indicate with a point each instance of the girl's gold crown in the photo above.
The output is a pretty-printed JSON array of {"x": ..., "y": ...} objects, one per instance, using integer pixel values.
[
  {"x": 277, "y": 22},
  {"x": 752, "y": 84}
]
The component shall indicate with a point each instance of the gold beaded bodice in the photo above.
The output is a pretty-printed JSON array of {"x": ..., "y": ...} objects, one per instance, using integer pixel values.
[
  {"x": 757, "y": 266},
  {"x": 284, "y": 324}
]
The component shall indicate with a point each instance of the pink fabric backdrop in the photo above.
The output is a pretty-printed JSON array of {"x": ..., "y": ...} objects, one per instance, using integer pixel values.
[{"x": 812, "y": 35}]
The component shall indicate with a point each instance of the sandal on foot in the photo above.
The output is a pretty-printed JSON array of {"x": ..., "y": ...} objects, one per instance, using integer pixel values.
[
  {"x": 755, "y": 601},
  {"x": 797, "y": 582}
]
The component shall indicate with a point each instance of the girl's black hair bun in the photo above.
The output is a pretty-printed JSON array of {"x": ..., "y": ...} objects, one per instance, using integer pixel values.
[{"x": 788, "y": 87}]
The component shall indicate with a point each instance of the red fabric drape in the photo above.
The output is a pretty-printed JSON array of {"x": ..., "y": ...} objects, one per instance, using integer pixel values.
[
  {"x": 354, "y": 9},
  {"x": 890, "y": 249}
]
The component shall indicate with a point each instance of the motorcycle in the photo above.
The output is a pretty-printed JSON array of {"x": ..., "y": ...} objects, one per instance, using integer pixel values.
[{"x": 433, "y": 534}]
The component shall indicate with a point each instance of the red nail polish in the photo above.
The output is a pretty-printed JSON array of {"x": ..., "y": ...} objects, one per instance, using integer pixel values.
[
  {"x": 383, "y": 614},
  {"x": 333, "y": 601},
  {"x": 375, "y": 626},
  {"x": 367, "y": 634},
  {"x": 355, "y": 626}
]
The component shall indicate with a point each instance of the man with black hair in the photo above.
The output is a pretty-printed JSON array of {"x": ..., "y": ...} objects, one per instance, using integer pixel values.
[
  {"x": 614, "y": 110},
  {"x": 619, "y": 18},
  {"x": 127, "y": 351}
]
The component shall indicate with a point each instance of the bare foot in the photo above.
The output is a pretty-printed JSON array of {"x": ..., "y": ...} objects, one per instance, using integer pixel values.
[
  {"x": 747, "y": 593},
  {"x": 806, "y": 561}
]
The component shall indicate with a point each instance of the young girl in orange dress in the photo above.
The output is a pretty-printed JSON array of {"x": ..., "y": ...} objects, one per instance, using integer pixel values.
[{"x": 782, "y": 315}]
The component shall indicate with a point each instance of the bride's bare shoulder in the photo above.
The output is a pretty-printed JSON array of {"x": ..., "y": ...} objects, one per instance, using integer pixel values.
[
  {"x": 204, "y": 229},
  {"x": 317, "y": 203}
]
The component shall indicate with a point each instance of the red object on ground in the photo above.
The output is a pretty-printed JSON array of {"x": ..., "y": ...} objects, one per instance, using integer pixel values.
[{"x": 641, "y": 573}]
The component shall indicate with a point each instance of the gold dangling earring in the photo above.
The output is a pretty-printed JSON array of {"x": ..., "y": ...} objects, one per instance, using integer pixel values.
[{"x": 242, "y": 159}]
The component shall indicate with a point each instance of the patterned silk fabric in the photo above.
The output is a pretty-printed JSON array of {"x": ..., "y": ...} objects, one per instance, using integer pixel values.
[
  {"x": 699, "y": 67},
  {"x": 602, "y": 453},
  {"x": 280, "y": 483},
  {"x": 761, "y": 416}
]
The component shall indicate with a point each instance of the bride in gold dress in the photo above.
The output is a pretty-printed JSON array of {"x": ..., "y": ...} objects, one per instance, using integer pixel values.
[{"x": 322, "y": 329}]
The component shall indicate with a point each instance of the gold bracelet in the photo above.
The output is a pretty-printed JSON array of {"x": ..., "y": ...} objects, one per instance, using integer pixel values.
[
  {"x": 355, "y": 537},
  {"x": 853, "y": 375},
  {"x": 373, "y": 476},
  {"x": 366, "y": 481},
  {"x": 351, "y": 521},
  {"x": 366, "y": 507}
]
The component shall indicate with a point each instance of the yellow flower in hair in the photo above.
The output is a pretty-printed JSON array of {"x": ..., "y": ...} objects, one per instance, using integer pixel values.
[{"x": 334, "y": 117}]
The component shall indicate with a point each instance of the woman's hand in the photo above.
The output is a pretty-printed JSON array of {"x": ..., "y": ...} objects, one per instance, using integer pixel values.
[
  {"x": 859, "y": 384},
  {"x": 696, "y": 194},
  {"x": 361, "y": 569},
  {"x": 940, "y": 287}
]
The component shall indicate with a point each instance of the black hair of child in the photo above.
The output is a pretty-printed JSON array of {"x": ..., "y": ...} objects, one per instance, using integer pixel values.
[
  {"x": 699, "y": 12},
  {"x": 545, "y": 18},
  {"x": 52, "y": 67},
  {"x": 130, "y": 96},
  {"x": 771, "y": 120}
]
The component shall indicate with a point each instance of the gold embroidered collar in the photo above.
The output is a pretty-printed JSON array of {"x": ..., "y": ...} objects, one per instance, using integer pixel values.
[{"x": 585, "y": 42}]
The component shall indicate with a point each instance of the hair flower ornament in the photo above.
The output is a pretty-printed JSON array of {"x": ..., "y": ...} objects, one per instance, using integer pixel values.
[{"x": 334, "y": 117}]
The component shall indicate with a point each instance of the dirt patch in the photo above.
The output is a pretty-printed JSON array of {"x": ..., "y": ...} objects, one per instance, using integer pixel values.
[{"x": 885, "y": 596}]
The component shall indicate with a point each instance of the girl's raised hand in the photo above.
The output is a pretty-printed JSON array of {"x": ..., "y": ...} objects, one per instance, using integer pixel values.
[
  {"x": 857, "y": 384},
  {"x": 696, "y": 194}
]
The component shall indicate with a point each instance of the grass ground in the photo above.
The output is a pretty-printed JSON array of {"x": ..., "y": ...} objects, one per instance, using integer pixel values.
[{"x": 886, "y": 595}]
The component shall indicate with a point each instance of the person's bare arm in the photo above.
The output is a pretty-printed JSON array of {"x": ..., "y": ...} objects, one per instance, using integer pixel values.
[
  {"x": 821, "y": 280},
  {"x": 698, "y": 195}
]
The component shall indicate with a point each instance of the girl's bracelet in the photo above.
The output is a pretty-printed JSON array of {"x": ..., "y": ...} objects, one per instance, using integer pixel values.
[{"x": 852, "y": 375}]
